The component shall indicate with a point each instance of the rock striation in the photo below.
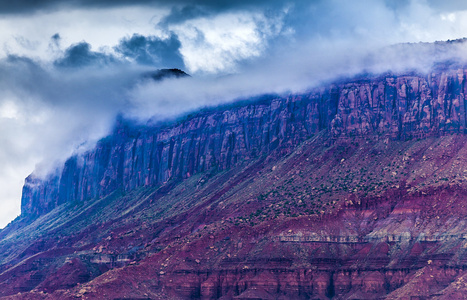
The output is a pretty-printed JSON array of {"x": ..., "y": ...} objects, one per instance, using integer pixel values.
[{"x": 397, "y": 107}]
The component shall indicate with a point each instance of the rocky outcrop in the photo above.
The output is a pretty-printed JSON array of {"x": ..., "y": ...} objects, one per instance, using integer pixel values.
[
  {"x": 396, "y": 107},
  {"x": 138, "y": 156},
  {"x": 358, "y": 219},
  {"x": 402, "y": 106}
]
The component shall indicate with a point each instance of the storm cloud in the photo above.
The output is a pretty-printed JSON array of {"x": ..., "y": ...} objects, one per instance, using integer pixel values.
[
  {"x": 152, "y": 51},
  {"x": 31, "y": 6},
  {"x": 148, "y": 51},
  {"x": 80, "y": 55},
  {"x": 180, "y": 14}
]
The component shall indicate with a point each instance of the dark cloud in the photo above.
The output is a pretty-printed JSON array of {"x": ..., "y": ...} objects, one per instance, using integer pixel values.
[
  {"x": 56, "y": 37},
  {"x": 152, "y": 51},
  {"x": 30, "y": 6},
  {"x": 148, "y": 51},
  {"x": 447, "y": 6},
  {"x": 54, "y": 44},
  {"x": 26, "y": 6},
  {"x": 80, "y": 55},
  {"x": 22, "y": 75},
  {"x": 186, "y": 9},
  {"x": 180, "y": 14}
]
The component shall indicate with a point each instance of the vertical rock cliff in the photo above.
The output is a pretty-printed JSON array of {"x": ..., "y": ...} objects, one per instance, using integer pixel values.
[{"x": 396, "y": 107}]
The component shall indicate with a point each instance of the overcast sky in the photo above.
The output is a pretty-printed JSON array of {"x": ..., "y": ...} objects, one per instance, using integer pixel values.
[{"x": 67, "y": 68}]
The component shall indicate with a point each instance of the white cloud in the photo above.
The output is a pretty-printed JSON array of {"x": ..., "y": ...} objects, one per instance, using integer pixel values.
[
  {"x": 420, "y": 22},
  {"x": 103, "y": 28},
  {"x": 218, "y": 44}
]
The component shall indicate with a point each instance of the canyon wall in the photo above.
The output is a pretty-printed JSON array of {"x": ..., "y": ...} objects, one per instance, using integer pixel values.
[{"x": 395, "y": 107}]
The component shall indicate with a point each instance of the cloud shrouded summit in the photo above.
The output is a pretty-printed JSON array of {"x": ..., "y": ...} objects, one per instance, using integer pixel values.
[{"x": 67, "y": 68}]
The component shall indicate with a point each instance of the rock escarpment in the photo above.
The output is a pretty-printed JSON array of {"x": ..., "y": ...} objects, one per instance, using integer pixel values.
[
  {"x": 356, "y": 219},
  {"x": 351, "y": 191},
  {"x": 395, "y": 107}
]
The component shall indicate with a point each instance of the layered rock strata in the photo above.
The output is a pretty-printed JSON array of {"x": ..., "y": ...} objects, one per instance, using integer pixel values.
[{"x": 396, "y": 107}]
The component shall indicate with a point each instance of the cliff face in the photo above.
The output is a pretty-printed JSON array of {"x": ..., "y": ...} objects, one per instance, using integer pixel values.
[
  {"x": 353, "y": 219},
  {"x": 396, "y": 107},
  {"x": 351, "y": 191},
  {"x": 402, "y": 106},
  {"x": 133, "y": 157}
]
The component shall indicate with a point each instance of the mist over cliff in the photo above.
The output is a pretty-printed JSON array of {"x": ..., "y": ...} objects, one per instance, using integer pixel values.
[
  {"x": 62, "y": 86},
  {"x": 392, "y": 106},
  {"x": 352, "y": 189}
]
